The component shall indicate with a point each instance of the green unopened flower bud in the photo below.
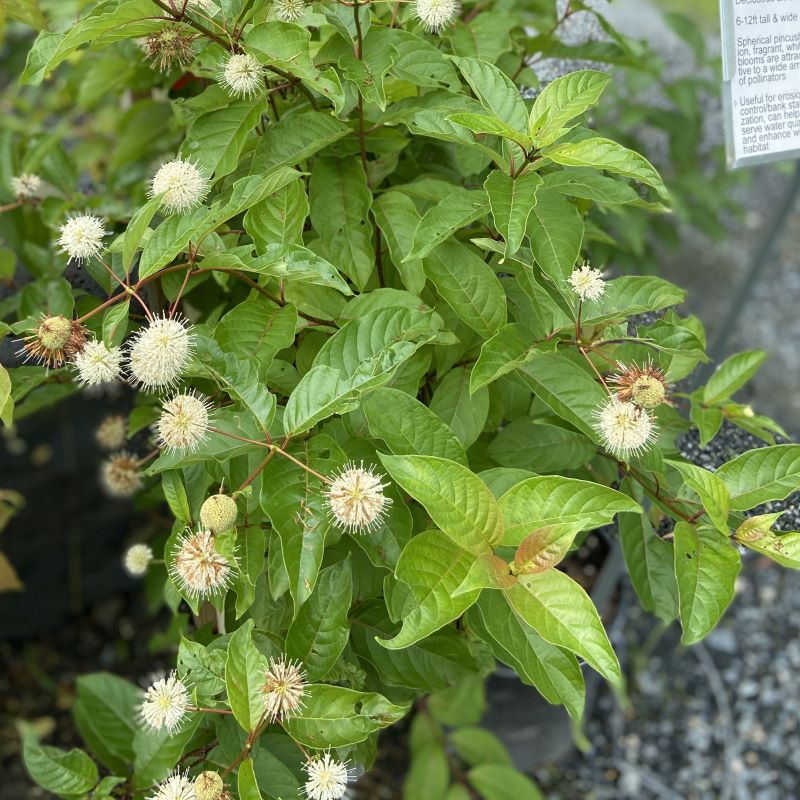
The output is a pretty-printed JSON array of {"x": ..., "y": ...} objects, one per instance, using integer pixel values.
[
  {"x": 208, "y": 786},
  {"x": 218, "y": 513}
]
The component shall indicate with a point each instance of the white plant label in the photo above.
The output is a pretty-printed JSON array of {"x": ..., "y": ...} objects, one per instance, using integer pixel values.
[{"x": 761, "y": 71}]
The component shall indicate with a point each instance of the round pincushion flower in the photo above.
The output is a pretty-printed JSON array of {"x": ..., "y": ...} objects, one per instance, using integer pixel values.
[
  {"x": 242, "y": 75},
  {"x": 160, "y": 352},
  {"x": 436, "y": 14},
  {"x": 327, "y": 778},
  {"x": 624, "y": 428},
  {"x": 356, "y": 499},
  {"x": 120, "y": 475},
  {"x": 587, "y": 283},
  {"x": 218, "y": 513},
  {"x": 197, "y": 567},
  {"x": 166, "y": 703},
  {"x": 169, "y": 47},
  {"x": 26, "y": 186},
  {"x": 181, "y": 184},
  {"x": 82, "y": 237},
  {"x": 283, "y": 689},
  {"x": 112, "y": 432},
  {"x": 208, "y": 785},
  {"x": 137, "y": 559},
  {"x": 178, "y": 786},
  {"x": 183, "y": 423},
  {"x": 54, "y": 340},
  {"x": 288, "y": 10},
  {"x": 97, "y": 363}
]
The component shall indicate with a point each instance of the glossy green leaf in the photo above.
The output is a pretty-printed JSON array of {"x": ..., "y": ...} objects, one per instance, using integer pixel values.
[
  {"x": 539, "y": 446},
  {"x": 767, "y": 473},
  {"x": 712, "y": 491},
  {"x": 555, "y": 230},
  {"x": 731, "y": 375},
  {"x": 511, "y": 201},
  {"x": 457, "y": 210},
  {"x": 244, "y": 677}
]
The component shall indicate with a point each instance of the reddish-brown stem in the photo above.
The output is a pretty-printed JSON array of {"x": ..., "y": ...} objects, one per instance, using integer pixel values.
[
  {"x": 594, "y": 369},
  {"x": 10, "y": 206},
  {"x": 257, "y": 471}
]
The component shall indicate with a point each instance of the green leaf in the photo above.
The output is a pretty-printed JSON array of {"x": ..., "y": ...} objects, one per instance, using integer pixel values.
[
  {"x": 612, "y": 157},
  {"x": 246, "y": 781},
  {"x": 172, "y": 237},
  {"x": 555, "y": 230},
  {"x": 495, "y": 91},
  {"x": 319, "y": 632},
  {"x": 58, "y": 771},
  {"x": 510, "y": 348},
  {"x": 244, "y": 677},
  {"x": 456, "y": 211},
  {"x": 588, "y": 184},
  {"x": 561, "y": 101},
  {"x": 106, "y": 713},
  {"x": 731, "y": 375},
  {"x": 336, "y": 717},
  {"x": 251, "y": 544},
  {"x": 340, "y": 202},
  {"x": 706, "y": 566},
  {"x": 561, "y": 502},
  {"x": 411, "y": 428},
  {"x": 158, "y": 751},
  {"x": 755, "y": 534},
  {"x": 767, "y": 473},
  {"x": 708, "y": 420},
  {"x": 468, "y": 285},
  {"x": 279, "y": 219},
  {"x": 712, "y": 492},
  {"x": 296, "y": 263},
  {"x": 561, "y": 612},
  {"x": 433, "y": 567},
  {"x": 202, "y": 668},
  {"x": 502, "y": 782},
  {"x": 511, "y": 201},
  {"x": 398, "y": 218},
  {"x": 479, "y": 746},
  {"x": 456, "y": 499},
  {"x": 429, "y": 773},
  {"x": 115, "y": 326},
  {"x": 483, "y": 123},
  {"x": 540, "y": 446},
  {"x": 139, "y": 224},
  {"x": 464, "y": 413}
]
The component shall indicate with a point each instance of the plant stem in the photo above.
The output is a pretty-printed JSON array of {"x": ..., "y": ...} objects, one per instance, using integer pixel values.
[{"x": 257, "y": 471}]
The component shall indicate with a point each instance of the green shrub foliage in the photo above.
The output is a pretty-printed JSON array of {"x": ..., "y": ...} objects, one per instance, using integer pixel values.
[{"x": 349, "y": 276}]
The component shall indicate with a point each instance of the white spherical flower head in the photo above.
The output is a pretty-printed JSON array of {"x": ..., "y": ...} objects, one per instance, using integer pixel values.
[
  {"x": 166, "y": 703},
  {"x": 160, "y": 352},
  {"x": 242, "y": 75},
  {"x": 178, "y": 786},
  {"x": 283, "y": 689},
  {"x": 26, "y": 186},
  {"x": 356, "y": 499},
  {"x": 112, "y": 432},
  {"x": 288, "y": 10},
  {"x": 82, "y": 237},
  {"x": 183, "y": 423},
  {"x": 120, "y": 475},
  {"x": 436, "y": 14},
  {"x": 181, "y": 184},
  {"x": 587, "y": 283},
  {"x": 625, "y": 428},
  {"x": 97, "y": 363},
  {"x": 137, "y": 560},
  {"x": 197, "y": 567},
  {"x": 327, "y": 778}
]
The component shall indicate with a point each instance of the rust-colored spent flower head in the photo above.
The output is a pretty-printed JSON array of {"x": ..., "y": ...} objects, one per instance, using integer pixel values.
[
  {"x": 283, "y": 689},
  {"x": 356, "y": 499},
  {"x": 218, "y": 513},
  {"x": 120, "y": 475},
  {"x": 197, "y": 567},
  {"x": 170, "y": 47},
  {"x": 55, "y": 340},
  {"x": 208, "y": 785},
  {"x": 112, "y": 432},
  {"x": 643, "y": 386}
]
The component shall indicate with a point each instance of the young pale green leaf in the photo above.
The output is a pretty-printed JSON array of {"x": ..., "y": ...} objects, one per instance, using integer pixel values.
[
  {"x": 610, "y": 156},
  {"x": 468, "y": 285},
  {"x": 502, "y": 782},
  {"x": 456, "y": 499},
  {"x": 712, "y": 492},
  {"x": 756, "y": 534},
  {"x": 433, "y": 567},
  {"x": 496, "y": 92},
  {"x": 555, "y": 230},
  {"x": 511, "y": 201},
  {"x": 540, "y": 446},
  {"x": 555, "y": 673},
  {"x": 172, "y": 237},
  {"x": 136, "y": 229},
  {"x": 708, "y": 420},
  {"x": 246, "y": 781},
  {"x": 429, "y": 772},
  {"x": 411, "y": 428},
  {"x": 706, "y": 566},
  {"x": 457, "y": 210},
  {"x": 483, "y": 123},
  {"x": 397, "y": 217},
  {"x": 479, "y": 746},
  {"x": 320, "y": 630},
  {"x": 465, "y": 413},
  {"x": 561, "y": 612},
  {"x": 561, "y": 101},
  {"x": 244, "y": 677},
  {"x": 767, "y": 473},
  {"x": 115, "y": 325},
  {"x": 569, "y": 389},
  {"x": 510, "y": 348},
  {"x": 333, "y": 716},
  {"x": 553, "y": 500},
  {"x": 731, "y": 375},
  {"x": 59, "y": 771}
]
